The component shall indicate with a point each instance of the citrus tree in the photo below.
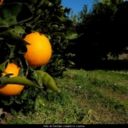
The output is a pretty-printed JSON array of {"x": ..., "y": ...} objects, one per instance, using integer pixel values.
[
  {"x": 33, "y": 41},
  {"x": 102, "y": 32}
]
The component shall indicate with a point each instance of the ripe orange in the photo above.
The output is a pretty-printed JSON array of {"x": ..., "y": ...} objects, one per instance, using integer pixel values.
[
  {"x": 1, "y": 2},
  {"x": 39, "y": 50},
  {"x": 11, "y": 89}
]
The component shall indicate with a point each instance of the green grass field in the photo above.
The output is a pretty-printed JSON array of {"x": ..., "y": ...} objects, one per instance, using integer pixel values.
[{"x": 87, "y": 97}]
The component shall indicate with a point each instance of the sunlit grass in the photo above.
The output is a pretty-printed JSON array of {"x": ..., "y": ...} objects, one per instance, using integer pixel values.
[{"x": 87, "y": 97}]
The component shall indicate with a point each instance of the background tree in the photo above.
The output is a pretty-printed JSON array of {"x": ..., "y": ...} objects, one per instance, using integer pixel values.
[{"x": 102, "y": 31}]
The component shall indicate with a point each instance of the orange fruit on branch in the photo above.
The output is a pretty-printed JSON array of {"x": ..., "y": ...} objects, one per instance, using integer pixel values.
[
  {"x": 11, "y": 89},
  {"x": 1, "y": 2},
  {"x": 39, "y": 50}
]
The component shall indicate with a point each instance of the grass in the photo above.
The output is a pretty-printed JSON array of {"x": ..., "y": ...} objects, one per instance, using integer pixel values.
[{"x": 87, "y": 97}]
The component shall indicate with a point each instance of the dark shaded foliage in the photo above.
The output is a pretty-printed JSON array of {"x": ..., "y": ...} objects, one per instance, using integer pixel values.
[
  {"x": 102, "y": 31},
  {"x": 21, "y": 17}
]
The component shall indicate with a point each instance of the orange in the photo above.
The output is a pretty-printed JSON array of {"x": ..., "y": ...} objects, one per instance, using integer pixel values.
[
  {"x": 11, "y": 89},
  {"x": 39, "y": 50},
  {"x": 1, "y": 2}
]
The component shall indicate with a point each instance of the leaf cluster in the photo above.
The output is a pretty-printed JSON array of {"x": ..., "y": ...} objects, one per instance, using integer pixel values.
[
  {"x": 102, "y": 31},
  {"x": 21, "y": 17}
]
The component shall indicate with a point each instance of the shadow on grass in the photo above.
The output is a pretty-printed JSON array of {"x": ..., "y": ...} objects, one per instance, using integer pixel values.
[{"x": 105, "y": 65}]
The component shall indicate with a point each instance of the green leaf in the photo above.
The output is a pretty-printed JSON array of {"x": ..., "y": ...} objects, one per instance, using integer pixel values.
[
  {"x": 72, "y": 36},
  {"x": 46, "y": 80},
  {"x": 9, "y": 14},
  {"x": 17, "y": 80},
  {"x": 14, "y": 13},
  {"x": 16, "y": 31},
  {"x": 2, "y": 66}
]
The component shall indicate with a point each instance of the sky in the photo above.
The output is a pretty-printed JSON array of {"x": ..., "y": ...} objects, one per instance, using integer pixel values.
[{"x": 77, "y": 5}]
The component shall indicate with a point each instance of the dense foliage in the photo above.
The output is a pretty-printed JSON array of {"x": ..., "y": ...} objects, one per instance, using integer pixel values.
[
  {"x": 21, "y": 17},
  {"x": 102, "y": 31},
  {"x": 48, "y": 17}
]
